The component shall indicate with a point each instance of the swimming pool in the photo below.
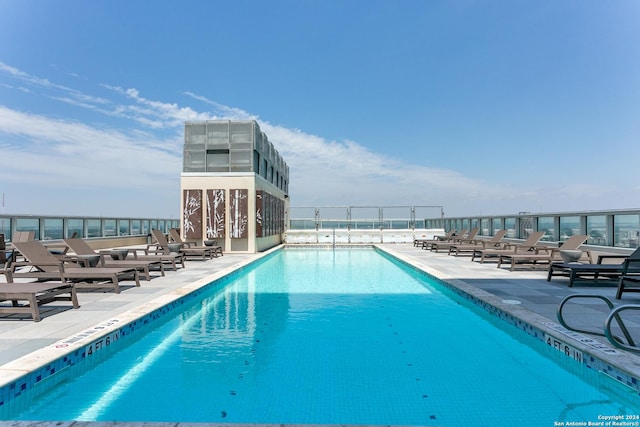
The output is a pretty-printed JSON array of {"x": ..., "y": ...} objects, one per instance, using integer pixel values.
[{"x": 349, "y": 337}]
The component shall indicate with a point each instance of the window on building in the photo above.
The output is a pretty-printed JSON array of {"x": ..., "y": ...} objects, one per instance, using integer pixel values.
[
  {"x": 256, "y": 162},
  {"x": 217, "y": 160}
]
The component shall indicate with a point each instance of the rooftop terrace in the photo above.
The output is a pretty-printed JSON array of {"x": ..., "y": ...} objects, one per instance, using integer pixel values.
[{"x": 525, "y": 294}]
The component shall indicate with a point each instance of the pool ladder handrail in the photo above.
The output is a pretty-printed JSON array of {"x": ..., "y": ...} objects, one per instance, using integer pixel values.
[
  {"x": 614, "y": 314},
  {"x": 334, "y": 239}
]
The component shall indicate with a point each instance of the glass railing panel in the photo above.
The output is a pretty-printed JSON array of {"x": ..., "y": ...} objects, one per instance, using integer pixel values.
[
  {"x": 333, "y": 223},
  {"x": 162, "y": 226},
  {"x": 154, "y": 224},
  {"x": 393, "y": 213},
  {"x": 94, "y": 228},
  {"x": 355, "y": 212},
  {"x": 496, "y": 224},
  {"x": 597, "y": 230},
  {"x": 52, "y": 229},
  {"x": 110, "y": 228},
  {"x": 5, "y": 228},
  {"x": 398, "y": 224},
  {"x": 526, "y": 226},
  {"x": 362, "y": 224},
  {"x": 75, "y": 225},
  {"x": 557, "y": 227},
  {"x": 136, "y": 227},
  {"x": 124, "y": 228},
  {"x": 344, "y": 214},
  {"x": 547, "y": 224},
  {"x": 485, "y": 227},
  {"x": 510, "y": 226},
  {"x": 56, "y": 228},
  {"x": 626, "y": 230},
  {"x": 569, "y": 226},
  {"x": 29, "y": 224},
  {"x": 302, "y": 224}
]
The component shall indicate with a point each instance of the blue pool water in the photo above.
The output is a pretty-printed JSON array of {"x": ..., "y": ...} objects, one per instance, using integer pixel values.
[{"x": 344, "y": 337}]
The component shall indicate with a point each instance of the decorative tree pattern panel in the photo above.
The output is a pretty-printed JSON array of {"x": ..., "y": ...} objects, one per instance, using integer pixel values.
[
  {"x": 239, "y": 213},
  {"x": 215, "y": 214},
  {"x": 192, "y": 215},
  {"x": 272, "y": 215},
  {"x": 280, "y": 216},
  {"x": 259, "y": 212},
  {"x": 269, "y": 214}
]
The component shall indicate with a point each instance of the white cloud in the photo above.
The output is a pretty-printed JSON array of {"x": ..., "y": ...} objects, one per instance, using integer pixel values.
[
  {"x": 44, "y": 83},
  {"x": 141, "y": 164},
  {"x": 154, "y": 114},
  {"x": 57, "y": 152},
  {"x": 230, "y": 113}
]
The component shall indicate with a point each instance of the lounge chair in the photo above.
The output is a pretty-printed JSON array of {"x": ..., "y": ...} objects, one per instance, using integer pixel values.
[
  {"x": 35, "y": 294},
  {"x": 447, "y": 236},
  {"x": 23, "y": 236},
  {"x": 426, "y": 244},
  {"x": 544, "y": 254},
  {"x": 469, "y": 238},
  {"x": 163, "y": 246},
  {"x": 593, "y": 271},
  {"x": 42, "y": 265},
  {"x": 166, "y": 258},
  {"x": 528, "y": 245},
  {"x": 630, "y": 276},
  {"x": 4, "y": 267},
  {"x": 104, "y": 259},
  {"x": 494, "y": 242},
  {"x": 175, "y": 235},
  {"x": 4, "y": 260},
  {"x": 20, "y": 236}
]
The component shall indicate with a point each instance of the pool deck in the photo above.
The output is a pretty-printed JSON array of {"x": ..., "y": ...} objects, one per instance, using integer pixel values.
[
  {"x": 525, "y": 292},
  {"x": 20, "y": 336}
]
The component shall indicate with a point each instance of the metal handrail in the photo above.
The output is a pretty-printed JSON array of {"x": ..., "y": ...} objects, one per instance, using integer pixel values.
[
  {"x": 615, "y": 314},
  {"x": 607, "y": 333},
  {"x": 575, "y": 329}
]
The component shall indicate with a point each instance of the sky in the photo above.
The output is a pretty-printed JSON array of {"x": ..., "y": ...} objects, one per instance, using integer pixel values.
[{"x": 483, "y": 107}]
